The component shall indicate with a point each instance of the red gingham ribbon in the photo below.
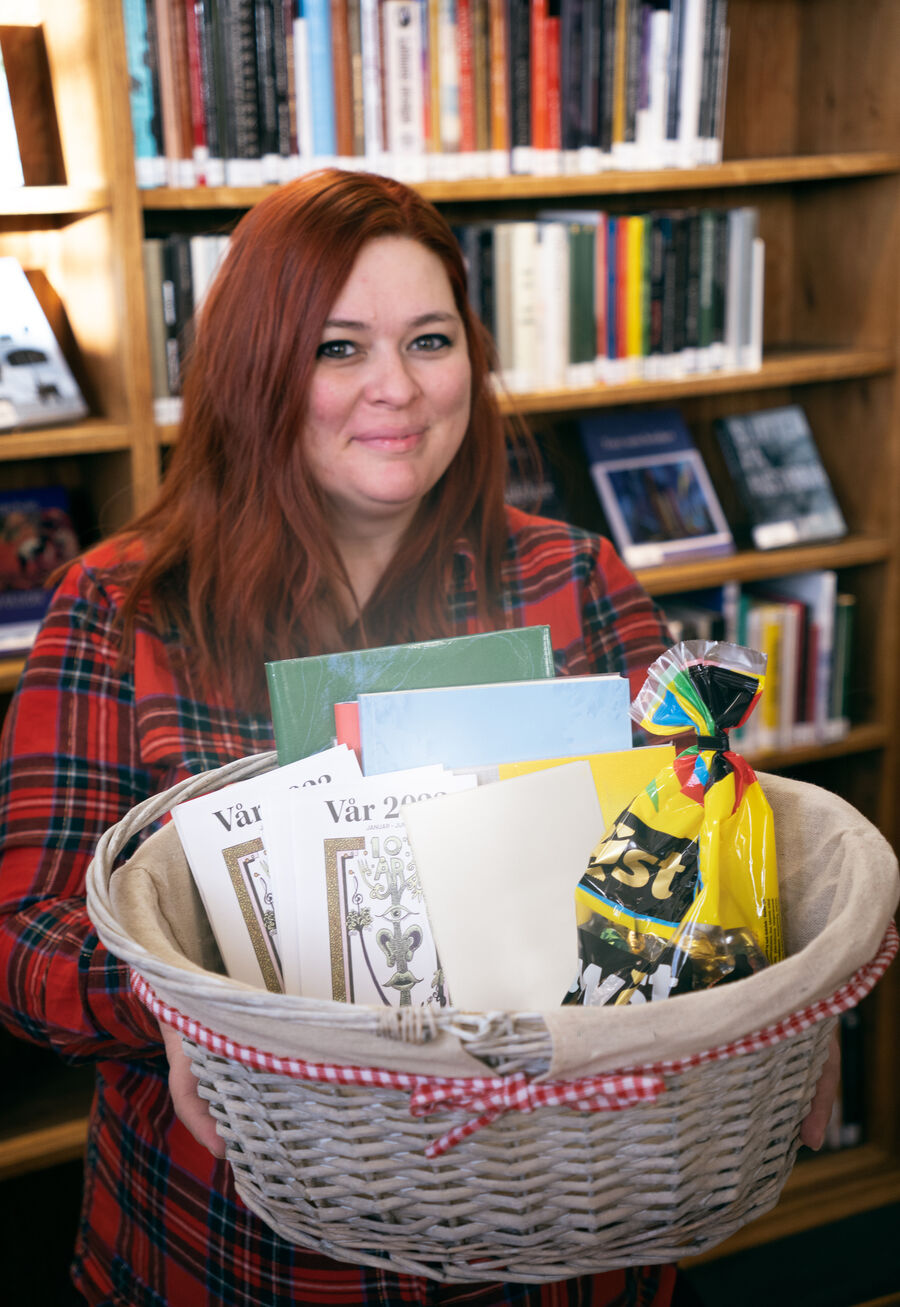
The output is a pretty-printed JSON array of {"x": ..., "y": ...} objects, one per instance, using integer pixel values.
[{"x": 491, "y": 1096}]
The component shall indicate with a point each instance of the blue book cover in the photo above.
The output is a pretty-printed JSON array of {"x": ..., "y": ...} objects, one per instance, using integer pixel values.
[
  {"x": 654, "y": 487},
  {"x": 144, "y": 111},
  {"x": 482, "y": 725},
  {"x": 321, "y": 78}
]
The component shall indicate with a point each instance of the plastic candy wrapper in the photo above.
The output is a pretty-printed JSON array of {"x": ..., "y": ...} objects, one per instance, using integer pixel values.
[{"x": 682, "y": 891}]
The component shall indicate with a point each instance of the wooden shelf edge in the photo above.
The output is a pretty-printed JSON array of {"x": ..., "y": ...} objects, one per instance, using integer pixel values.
[
  {"x": 780, "y": 368},
  {"x": 757, "y": 565},
  {"x": 33, "y": 1150},
  {"x": 859, "y": 739},
  {"x": 93, "y": 436},
  {"x": 821, "y": 1189},
  {"x": 734, "y": 173},
  {"x": 47, "y": 201}
]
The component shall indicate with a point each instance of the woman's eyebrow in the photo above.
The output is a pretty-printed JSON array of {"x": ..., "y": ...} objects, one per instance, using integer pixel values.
[{"x": 350, "y": 324}]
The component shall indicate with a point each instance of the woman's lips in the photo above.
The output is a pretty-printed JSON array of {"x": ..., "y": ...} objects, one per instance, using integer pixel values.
[{"x": 397, "y": 442}]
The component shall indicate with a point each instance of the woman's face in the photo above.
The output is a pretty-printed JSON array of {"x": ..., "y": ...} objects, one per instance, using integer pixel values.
[{"x": 390, "y": 393}]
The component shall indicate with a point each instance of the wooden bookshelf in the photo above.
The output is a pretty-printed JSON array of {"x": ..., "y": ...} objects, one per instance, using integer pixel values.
[{"x": 811, "y": 138}]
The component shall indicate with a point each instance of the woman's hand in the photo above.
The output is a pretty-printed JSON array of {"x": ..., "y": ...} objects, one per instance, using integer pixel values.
[
  {"x": 192, "y": 1110},
  {"x": 812, "y": 1131}
]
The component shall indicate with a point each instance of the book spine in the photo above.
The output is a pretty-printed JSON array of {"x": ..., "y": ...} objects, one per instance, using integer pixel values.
[
  {"x": 210, "y": 95},
  {"x": 634, "y": 284},
  {"x": 601, "y": 276},
  {"x": 481, "y": 73},
  {"x": 620, "y": 75},
  {"x": 705, "y": 323},
  {"x": 403, "y": 84},
  {"x": 219, "y": 65},
  {"x": 370, "y": 31},
  {"x": 519, "y": 29},
  {"x": 571, "y": 71},
  {"x": 690, "y": 360},
  {"x": 321, "y": 79},
  {"x": 673, "y": 82},
  {"x": 486, "y": 277},
  {"x": 553, "y": 259},
  {"x": 266, "y": 98},
  {"x": 282, "y": 53},
  {"x": 553, "y": 32},
  {"x": 690, "y": 78},
  {"x": 539, "y": 77},
  {"x": 150, "y": 168},
  {"x": 719, "y": 80},
  {"x": 242, "y": 168},
  {"x": 582, "y": 324},
  {"x": 634, "y": 62},
  {"x": 152, "y": 259},
  {"x": 354, "y": 39},
  {"x": 448, "y": 56},
  {"x": 468, "y": 134},
  {"x": 524, "y": 308},
  {"x": 174, "y": 91},
  {"x": 499, "y": 58},
  {"x": 197, "y": 92},
  {"x": 341, "y": 76},
  {"x": 502, "y": 284},
  {"x": 651, "y": 126},
  {"x": 589, "y": 160},
  {"x": 608, "y": 20}
]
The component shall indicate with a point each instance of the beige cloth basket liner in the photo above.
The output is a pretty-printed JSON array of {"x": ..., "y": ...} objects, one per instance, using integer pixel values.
[{"x": 839, "y": 888}]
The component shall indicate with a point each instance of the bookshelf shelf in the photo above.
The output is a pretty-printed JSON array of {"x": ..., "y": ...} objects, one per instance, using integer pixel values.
[
  {"x": 10, "y": 671},
  {"x": 68, "y": 202},
  {"x": 780, "y": 368},
  {"x": 740, "y": 173},
  {"x": 755, "y": 565},
  {"x": 94, "y": 436}
]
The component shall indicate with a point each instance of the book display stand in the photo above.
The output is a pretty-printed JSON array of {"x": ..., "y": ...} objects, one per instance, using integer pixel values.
[{"x": 812, "y": 123}]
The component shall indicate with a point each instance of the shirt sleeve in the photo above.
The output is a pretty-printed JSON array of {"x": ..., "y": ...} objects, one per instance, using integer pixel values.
[
  {"x": 623, "y": 629},
  {"x": 69, "y": 768}
]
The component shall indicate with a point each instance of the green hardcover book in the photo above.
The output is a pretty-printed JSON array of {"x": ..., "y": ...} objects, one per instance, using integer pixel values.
[{"x": 303, "y": 691}]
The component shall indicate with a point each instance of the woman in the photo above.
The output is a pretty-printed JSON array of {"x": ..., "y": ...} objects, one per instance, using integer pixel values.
[{"x": 338, "y": 481}]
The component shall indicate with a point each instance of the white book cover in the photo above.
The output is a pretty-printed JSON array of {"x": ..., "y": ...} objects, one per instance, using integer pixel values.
[
  {"x": 650, "y": 128},
  {"x": 499, "y": 866},
  {"x": 524, "y": 314},
  {"x": 222, "y": 837},
  {"x": 693, "y": 15},
  {"x": 302, "y": 96},
  {"x": 36, "y": 384},
  {"x": 363, "y": 928},
  {"x": 553, "y": 303},
  {"x": 404, "y": 81},
  {"x": 373, "y": 131}
]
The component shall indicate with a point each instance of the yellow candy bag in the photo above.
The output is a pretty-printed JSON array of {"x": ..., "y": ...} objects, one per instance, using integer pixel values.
[{"x": 682, "y": 891}]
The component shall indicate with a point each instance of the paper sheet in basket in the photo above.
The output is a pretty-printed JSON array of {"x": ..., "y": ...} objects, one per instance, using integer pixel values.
[{"x": 497, "y": 865}]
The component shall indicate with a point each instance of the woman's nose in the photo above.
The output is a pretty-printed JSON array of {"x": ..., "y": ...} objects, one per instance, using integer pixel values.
[{"x": 391, "y": 379}]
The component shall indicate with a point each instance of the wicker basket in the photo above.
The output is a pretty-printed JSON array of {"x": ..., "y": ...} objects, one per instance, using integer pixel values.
[{"x": 587, "y": 1140}]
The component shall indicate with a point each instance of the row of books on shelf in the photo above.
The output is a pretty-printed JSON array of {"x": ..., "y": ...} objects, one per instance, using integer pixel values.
[
  {"x": 586, "y": 297},
  {"x": 571, "y": 299},
  {"x": 804, "y": 624},
  {"x": 247, "y": 92}
]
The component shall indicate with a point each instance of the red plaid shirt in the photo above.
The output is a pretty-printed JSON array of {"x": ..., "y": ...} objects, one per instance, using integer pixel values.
[{"x": 83, "y": 742}]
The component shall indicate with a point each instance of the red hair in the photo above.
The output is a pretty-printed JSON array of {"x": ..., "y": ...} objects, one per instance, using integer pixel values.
[{"x": 236, "y": 553}]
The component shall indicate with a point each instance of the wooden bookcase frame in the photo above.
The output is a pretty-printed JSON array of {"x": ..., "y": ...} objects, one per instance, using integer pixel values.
[{"x": 812, "y": 137}]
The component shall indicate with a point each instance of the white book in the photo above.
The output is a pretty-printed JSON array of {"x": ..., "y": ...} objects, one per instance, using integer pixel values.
[
  {"x": 553, "y": 303},
  {"x": 503, "y": 333},
  {"x": 692, "y": 17},
  {"x": 447, "y": 56},
  {"x": 37, "y": 387},
  {"x": 499, "y": 865},
  {"x": 404, "y": 83},
  {"x": 302, "y": 97},
  {"x": 752, "y": 348},
  {"x": 363, "y": 928},
  {"x": 650, "y": 128},
  {"x": 223, "y": 839},
  {"x": 524, "y": 307},
  {"x": 373, "y": 132}
]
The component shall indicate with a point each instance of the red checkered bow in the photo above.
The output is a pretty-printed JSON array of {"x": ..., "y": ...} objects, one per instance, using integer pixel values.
[{"x": 492, "y": 1097}]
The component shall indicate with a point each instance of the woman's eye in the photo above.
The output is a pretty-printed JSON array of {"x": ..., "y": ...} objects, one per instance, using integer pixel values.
[
  {"x": 335, "y": 349},
  {"x": 434, "y": 340}
]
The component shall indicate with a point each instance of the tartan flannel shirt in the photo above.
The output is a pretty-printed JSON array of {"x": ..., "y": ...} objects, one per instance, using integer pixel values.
[{"x": 83, "y": 742}]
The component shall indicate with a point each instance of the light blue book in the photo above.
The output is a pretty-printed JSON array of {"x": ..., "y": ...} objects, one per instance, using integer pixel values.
[
  {"x": 482, "y": 725},
  {"x": 149, "y": 154},
  {"x": 321, "y": 78}
]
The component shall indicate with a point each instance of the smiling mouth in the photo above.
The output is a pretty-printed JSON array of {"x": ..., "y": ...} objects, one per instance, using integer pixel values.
[{"x": 396, "y": 441}]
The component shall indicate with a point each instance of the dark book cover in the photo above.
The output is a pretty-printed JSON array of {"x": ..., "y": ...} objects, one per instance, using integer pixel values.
[
  {"x": 653, "y": 486},
  {"x": 779, "y": 476},
  {"x": 673, "y": 105},
  {"x": 178, "y": 305},
  {"x": 634, "y": 52},
  {"x": 242, "y": 91},
  {"x": 266, "y": 94},
  {"x": 571, "y": 43},
  {"x": 607, "y": 74},
  {"x": 281, "y": 41},
  {"x": 591, "y": 54},
  {"x": 657, "y": 265},
  {"x": 519, "y": 30},
  {"x": 692, "y": 222},
  {"x": 209, "y": 88},
  {"x": 680, "y": 242}
]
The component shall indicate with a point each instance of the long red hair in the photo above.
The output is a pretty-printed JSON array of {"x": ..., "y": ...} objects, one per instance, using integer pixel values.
[{"x": 236, "y": 555}]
